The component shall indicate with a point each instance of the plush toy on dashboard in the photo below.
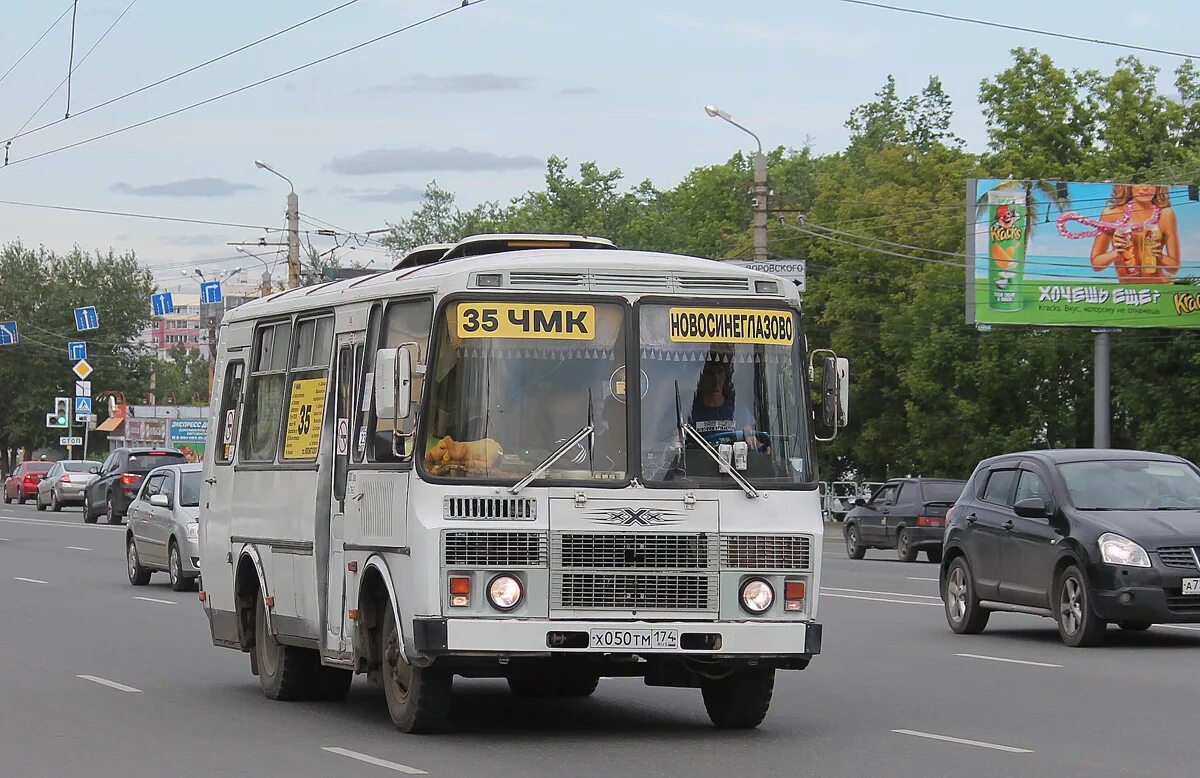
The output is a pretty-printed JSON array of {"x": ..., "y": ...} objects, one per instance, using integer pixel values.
[{"x": 448, "y": 456}]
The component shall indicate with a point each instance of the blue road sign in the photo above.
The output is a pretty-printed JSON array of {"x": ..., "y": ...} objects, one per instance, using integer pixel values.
[
  {"x": 76, "y": 350},
  {"x": 210, "y": 292},
  {"x": 162, "y": 304},
  {"x": 8, "y": 333},
  {"x": 83, "y": 404},
  {"x": 86, "y": 318}
]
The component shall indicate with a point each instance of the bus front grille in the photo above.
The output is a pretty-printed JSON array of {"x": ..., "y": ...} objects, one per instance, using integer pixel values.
[
  {"x": 766, "y": 552},
  {"x": 617, "y": 550},
  {"x": 493, "y": 549},
  {"x": 490, "y": 508},
  {"x": 633, "y": 591}
]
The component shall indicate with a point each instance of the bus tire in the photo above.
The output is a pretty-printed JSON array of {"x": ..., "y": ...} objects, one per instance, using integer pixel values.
[
  {"x": 578, "y": 684},
  {"x": 741, "y": 699},
  {"x": 418, "y": 698},
  {"x": 284, "y": 672},
  {"x": 332, "y": 684}
]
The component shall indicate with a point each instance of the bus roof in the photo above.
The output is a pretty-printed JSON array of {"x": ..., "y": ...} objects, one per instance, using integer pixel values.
[{"x": 616, "y": 271}]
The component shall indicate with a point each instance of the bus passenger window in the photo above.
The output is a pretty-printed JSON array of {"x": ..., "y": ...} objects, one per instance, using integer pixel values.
[
  {"x": 264, "y": 398},
  {"x": 307, "y": 388}
]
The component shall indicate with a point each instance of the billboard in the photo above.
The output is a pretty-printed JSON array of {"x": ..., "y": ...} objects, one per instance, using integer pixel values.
[
  {"x": 1066, "y": 253},
  {"x": 190, "y": 436}
]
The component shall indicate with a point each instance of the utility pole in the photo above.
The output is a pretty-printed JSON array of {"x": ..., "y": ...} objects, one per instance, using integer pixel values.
[
  {"x": 1102, "y": 401},
  {"x": 293, "y": 225},
  {"x": 266, "y": 276},
  {"x": 760, "y": 190}
]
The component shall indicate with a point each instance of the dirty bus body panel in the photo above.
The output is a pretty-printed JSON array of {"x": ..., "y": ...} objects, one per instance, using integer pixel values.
[{"x": 551, "y": 466}]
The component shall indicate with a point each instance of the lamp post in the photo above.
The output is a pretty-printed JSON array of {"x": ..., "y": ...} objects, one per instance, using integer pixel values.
[
  {"x": 760, "y": 190},
  {"x": 293, "y": 228},
  {"x": 266, "y": 277}
]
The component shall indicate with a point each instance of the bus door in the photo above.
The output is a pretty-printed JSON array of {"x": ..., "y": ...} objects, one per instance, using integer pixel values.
[{"x": 348, "y": 366}]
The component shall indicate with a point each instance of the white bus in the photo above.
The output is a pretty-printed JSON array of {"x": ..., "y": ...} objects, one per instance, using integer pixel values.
[{"x": 549, "y": 465}]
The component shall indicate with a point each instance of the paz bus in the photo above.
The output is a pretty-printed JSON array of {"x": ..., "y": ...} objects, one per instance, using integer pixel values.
[{"x": 538, "y": 458}]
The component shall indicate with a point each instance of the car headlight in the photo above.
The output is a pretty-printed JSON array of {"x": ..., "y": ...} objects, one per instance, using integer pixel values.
[
  {"x": 193, "y": 530},
  {"x": 504, "y": 592},
  {"x": 1119, "y": 550},
  {"x": 757, "y": 595}
]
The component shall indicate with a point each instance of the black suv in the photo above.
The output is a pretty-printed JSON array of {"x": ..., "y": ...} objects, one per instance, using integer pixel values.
[
  {"x": 907, "y": 514},
  {"x": 118, "y": 479},
  {"x": 1085, "y": 536}
]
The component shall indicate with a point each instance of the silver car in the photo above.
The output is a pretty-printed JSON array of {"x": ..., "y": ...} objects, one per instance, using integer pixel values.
[
  {"x": 64, "y": 484},
  {"x": 164, "y": 527}
]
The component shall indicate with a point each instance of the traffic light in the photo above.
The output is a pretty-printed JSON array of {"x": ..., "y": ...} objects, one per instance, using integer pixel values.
[{"x": 62, "y": 412}]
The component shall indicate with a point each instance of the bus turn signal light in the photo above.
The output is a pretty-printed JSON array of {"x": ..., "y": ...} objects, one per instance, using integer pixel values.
[
  {"x": 793, "y": 595},
  {"x": 460, "y": 591}
]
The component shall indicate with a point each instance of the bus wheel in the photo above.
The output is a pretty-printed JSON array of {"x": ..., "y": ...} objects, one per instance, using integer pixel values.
[
  {"x": 332, "y": 683},
  {"x": 285, "y": 672},
  {"x": 741, "y": 699},
  {"x": 418, "y": 698}
]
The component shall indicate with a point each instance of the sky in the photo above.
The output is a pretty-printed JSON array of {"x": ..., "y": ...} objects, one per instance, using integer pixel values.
[{"x": 476, "y": 100}]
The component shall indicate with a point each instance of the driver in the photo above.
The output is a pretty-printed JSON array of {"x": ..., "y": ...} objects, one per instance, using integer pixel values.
[{"x": 714, "y": 407}]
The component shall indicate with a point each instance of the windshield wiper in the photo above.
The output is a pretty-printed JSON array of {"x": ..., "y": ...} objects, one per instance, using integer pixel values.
[
  {"x": 688, "y": 431},
  {"x": 557, "y": 454}
]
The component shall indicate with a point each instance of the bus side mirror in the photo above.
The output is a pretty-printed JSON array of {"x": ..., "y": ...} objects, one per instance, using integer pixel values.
[
  {"x": 393, "y": 383},
  {"x": 835, "y": 391}
]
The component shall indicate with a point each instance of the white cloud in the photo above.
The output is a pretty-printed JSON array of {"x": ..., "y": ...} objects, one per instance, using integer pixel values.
[{"x": 419, "y": 159}]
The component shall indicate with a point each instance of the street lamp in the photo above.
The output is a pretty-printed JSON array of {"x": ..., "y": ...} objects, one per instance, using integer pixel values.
[
  {"x": 266, "y": 279},
  {"x": 293, "y": 228},
  {"x": 760, "y": 189}
]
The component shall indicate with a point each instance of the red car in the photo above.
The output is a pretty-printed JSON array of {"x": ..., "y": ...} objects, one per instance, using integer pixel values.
[{"x": 22, "y": 483}]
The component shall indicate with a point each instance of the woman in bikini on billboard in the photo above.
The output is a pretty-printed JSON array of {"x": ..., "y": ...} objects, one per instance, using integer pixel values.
[{"x": 1140, "y": 237}]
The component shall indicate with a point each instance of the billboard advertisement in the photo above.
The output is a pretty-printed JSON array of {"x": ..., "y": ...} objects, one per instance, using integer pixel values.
[
  {"x": 190, "y": 437},
  {"x": 1066, "y": 253}
]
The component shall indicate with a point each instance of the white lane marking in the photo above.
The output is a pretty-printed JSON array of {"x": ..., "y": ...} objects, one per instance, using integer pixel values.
[
  {"x": 882, "y": 599},
  {"x": 1178, "y": 626},
  {"x": 108, "y": 683},
  {"x": 919, "y": 578},
  {"x": 155, "y": 599},
  {"x": 948, "y": 739},
  {"x": 868, "y": 591},
  {"x": 51, "y": 523},
  {"x": 78, "y": 548},
  {"x": 3, "y": 540},
  {"x": 1012, "y": 661},
  {"x": 28, "y": 580},
  {"x": 400, "y": 768}
]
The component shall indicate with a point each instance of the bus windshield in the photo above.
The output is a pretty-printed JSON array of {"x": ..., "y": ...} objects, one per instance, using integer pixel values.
[
  {"x": 511, "y": 382},
  {"x": 732, "y": 375}
]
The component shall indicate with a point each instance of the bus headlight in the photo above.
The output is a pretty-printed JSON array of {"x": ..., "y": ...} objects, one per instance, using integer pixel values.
[
  {"x": 757, "y": 595},
  {"x": 504, "y": 592}
]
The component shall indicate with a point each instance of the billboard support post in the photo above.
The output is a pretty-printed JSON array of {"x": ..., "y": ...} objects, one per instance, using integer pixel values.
[{"x": 1102, "y": 403}]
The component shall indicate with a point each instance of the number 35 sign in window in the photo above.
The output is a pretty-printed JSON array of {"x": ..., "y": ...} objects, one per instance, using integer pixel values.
[{"x": 305, "y": 413}]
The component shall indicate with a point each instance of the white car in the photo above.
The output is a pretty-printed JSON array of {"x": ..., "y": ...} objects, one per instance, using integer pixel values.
[
  {"x": 64, "y": 484},
  {"x": 164, "y": 527}
]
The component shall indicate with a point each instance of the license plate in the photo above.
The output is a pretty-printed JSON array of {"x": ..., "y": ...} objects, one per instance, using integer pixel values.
[
  {"x": 1191, "y": 585},
  {"x": 663, "y": 639}
]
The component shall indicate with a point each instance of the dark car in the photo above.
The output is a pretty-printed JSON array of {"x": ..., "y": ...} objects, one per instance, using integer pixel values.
[
  {"x": 1088, "y": 537},
  {"x": 22, "y": 483},
  {"x": 119, "y": 478},
  {"x": 907, "y": 514}
]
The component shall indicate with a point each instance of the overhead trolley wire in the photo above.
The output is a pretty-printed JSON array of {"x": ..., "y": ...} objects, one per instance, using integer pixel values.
[
  {"x": 238, "y": 90},
  {"x": 13, "y": 67},
  {"x": 21, "y": 133}
]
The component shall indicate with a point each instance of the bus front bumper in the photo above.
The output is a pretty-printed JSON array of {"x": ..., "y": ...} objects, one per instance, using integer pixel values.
[{"x": 434, "y": 636}]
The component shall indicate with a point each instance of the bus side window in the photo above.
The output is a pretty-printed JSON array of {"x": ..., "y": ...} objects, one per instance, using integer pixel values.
[
  {"x": 264, "y": 393},
  {"x": 307, "y": 389},
  {"x": 230, "y": 397},
  {"x": 407, "y": 321},
  {"x": 362, "y": 408}
]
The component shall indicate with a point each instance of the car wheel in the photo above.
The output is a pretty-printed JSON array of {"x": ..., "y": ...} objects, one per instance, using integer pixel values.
[
  {"x": 934, "y": 554},
  {"x": 179, "y": 582},
  {"x": 739, "y": 700},
  {"x": 111, "y": 512},
  {"x": 1135, "y": 626},
  {"x": 7, "y": 499},
  {"x": 138, "y": 575},
  {"x": 37, "y": 501},
  {"x": 964, "y": 614},
  {"x": 854, "y": 547},
  {"x": 89, "y": 517},
  {"x": 55, "y": 505},
  {"x": 21, "y": 497},
  {"x": 418, "y": 698},
  {"x": 1078, "y": 624},
  {"x": 904, "y": 547}
]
